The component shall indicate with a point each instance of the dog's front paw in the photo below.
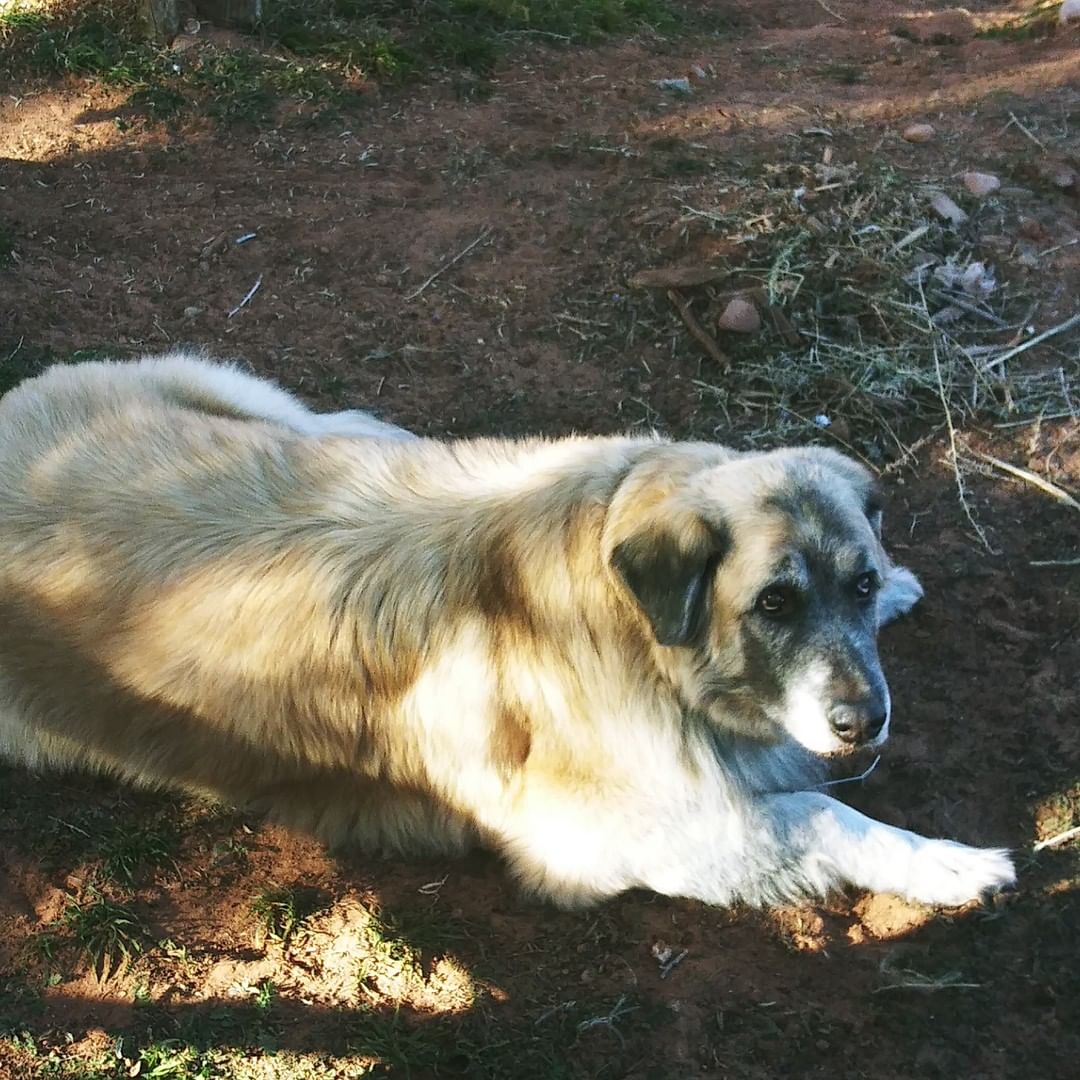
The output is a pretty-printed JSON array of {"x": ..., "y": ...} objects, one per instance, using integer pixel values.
[
  {"x": 948, "y": 874},
  {"x": 899, "y": 593}
]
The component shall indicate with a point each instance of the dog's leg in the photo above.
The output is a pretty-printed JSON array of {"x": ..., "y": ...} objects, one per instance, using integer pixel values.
[
  {"x": 899, "y": 593},
  {"x": 827, "y": 843},
  {"x": 775, "y": 849}
]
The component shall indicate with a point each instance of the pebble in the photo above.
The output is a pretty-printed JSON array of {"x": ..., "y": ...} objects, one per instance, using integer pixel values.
[
  {"x": 741, "y": 316},
  {"x": 919, "y": 133},
  {"x": 676, "y": 86},
  {"x": 981, "y": 184}
]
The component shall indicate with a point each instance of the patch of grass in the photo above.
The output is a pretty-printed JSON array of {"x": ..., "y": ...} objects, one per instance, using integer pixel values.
[
  {"x": 1038, "y": 21},
  {"x": 283, "y": 912},
  {"x": 109, "y": 934},
  {"x": 391, "y": 39},
  {"x": 395, "y": 1043},
  {"x": 94, "y": 37},
  {"x": 335, "y": 44},
  {"x": 173, "y": 1059},
  {"x": 880, "y": 333},
  {"x": 1058, "y": 812},
  {"x": 132, "y": 848},
  {"x": 848, "y": 74}
]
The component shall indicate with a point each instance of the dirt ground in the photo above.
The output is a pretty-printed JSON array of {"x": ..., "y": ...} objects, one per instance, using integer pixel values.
[{"x": 572, "y": 175}]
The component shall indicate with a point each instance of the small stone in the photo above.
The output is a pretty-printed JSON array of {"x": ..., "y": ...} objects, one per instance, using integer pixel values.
[
  {"x": 1064, "y": 177},
  {"x": 981, "y": 184},
  {"x": 1032, "y": 228},
  {"x": 1069, "y": 12},
  {"x": 918, "y": 133},
  {"x": 192, "y": 312},
  {"x": 740, "y": 316},
  {"x": 948, "y": 209},
  {"x": 675, "y": 86}
]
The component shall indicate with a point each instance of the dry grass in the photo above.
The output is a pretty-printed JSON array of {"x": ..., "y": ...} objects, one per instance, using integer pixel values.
[{"x": 889, "y": 314}]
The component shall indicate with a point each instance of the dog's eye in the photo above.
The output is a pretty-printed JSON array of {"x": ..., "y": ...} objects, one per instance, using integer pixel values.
[
  {"x": 776, "y": 601},
  {"x": 865, "y": 585}
]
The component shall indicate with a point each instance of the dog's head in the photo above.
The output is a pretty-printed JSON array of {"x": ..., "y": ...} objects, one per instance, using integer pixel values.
[{"x": 757, "y": 577}]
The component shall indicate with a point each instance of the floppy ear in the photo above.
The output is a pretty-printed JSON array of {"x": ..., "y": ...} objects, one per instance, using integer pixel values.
[{"x": 668, "y": 571}]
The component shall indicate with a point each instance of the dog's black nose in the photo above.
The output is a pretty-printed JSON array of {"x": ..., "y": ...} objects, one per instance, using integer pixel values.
[{"x": 855, "y": 724}]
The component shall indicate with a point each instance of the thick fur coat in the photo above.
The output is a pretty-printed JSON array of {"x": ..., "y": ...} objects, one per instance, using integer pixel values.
[{"x": 614, "y": 660}]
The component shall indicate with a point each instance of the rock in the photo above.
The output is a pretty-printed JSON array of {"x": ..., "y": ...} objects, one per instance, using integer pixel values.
[
  {"x": 981, "y": 184},
  {"x": 948, "y": 209},
  {"x": 978, "y": 280},
  {"x": 676, "y": 86},
  {"x": 1069, "y": 13},
  {"x": 741, "y": 316},
  {"x": 192, "y": 312},
  {"x": 919, "y": 133},
  {"x": 1032, "y": 228},
  {"x": 1064, "y": 177}
]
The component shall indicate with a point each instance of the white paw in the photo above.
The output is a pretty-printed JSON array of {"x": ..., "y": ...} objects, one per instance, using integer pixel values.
[
  {"x": 948, "y": 874},
  {"x": 900, "y": 592}
]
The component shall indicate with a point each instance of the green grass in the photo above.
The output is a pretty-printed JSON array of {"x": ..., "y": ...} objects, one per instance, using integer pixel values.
[
  {"x": 334, "y": 49},
  {"x": 848, "y": 74},
  {"x": 394, "y": 39},
  {"x": 132, "y": 849},
  {"x": 172, "y": 1059},
  {"x": 1038, "y": 21},
  {"x": 109, "y": 934},
  {"x": 282, "y": 912}
]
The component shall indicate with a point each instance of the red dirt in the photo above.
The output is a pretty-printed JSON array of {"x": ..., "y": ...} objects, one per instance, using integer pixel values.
[{"x": 124, "y": 238}]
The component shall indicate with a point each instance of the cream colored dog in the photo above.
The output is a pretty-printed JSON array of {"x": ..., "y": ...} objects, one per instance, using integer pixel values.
[{"x": 615, "y": 660}]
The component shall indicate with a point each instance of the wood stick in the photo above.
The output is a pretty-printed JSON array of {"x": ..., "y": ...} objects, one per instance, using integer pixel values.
[{"x": 706, "y": 340}]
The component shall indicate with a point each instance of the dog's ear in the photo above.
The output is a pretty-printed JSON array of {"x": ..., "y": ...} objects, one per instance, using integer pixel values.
[{"x": 668, "y": 567}]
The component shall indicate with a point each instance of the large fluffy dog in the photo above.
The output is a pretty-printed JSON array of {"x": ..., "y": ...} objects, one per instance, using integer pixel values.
[{"x": 615, "y": 660}]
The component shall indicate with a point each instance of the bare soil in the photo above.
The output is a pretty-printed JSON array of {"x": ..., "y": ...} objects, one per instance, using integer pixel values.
[{"x": 574, "y": 173}]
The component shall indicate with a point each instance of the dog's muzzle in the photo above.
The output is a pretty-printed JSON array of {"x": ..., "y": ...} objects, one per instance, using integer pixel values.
[{"x": 861, "y": 722}]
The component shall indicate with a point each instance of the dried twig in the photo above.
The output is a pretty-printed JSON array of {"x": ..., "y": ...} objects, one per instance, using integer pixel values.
[
  {"x": 247, "y": 299},
  {"x": 618, "y": 1011},
  {"x": 915, "y": 980},
  {"x": 1013, "y": 119},
  {"x": 970, "y": 308},
  {"x": 446, "y": 266},
  {"x": 68, "y": 825},
  {"x": 1068, "y": 324},
  {"x": 673, "y": 963},
  {"x": 1030, "y": 478},
  {"x": 1037, "y": 419},
  {"x": 1057, "y": 841},
  {"x": 961, "y": 489},
  {"x": 1054, "y": 562},
  {"x": 706, "y": 340},
  {"x": 825, "y": 7}
]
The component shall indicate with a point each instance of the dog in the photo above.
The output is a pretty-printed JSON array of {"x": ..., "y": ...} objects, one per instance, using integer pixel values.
[{"x": 619, "y": 662}]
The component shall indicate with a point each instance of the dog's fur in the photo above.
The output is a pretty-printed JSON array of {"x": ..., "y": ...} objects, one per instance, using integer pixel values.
[{"x": 565, "y": 650}]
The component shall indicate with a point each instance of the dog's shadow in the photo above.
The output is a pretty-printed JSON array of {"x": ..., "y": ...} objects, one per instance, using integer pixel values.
[{"x": 255, "y": 938}]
